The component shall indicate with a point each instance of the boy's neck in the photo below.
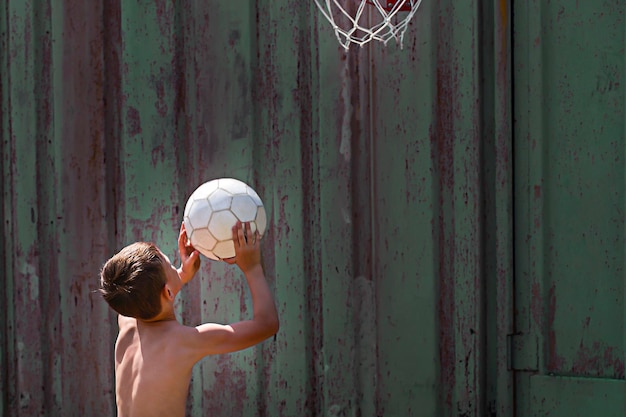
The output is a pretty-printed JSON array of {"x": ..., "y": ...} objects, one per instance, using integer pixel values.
[{"x": 166, "y": 314}]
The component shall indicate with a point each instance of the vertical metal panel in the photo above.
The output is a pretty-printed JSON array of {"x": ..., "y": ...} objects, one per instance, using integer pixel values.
[
  {"x": 53, "y": 198},
  {"x": 404, "y": 151},
  {"x": 569, "y": 189},
  {"x": 430, "y": 150},
  {"x": 374, "y": 166},
  {"x": 498, "y": 219}
]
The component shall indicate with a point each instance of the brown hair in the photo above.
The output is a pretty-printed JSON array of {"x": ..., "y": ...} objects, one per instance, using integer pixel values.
[{"x": 132, "y": 280}]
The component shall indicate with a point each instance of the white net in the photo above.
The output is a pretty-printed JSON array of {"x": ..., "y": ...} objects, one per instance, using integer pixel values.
[{"x": 361, "y": 21}]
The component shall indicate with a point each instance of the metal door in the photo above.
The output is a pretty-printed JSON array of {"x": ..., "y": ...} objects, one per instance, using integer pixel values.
[{"x": 568, "y": 85}]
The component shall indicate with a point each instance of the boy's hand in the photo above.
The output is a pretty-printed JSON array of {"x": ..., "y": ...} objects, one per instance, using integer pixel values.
[
  {"x": 247, "y": 247},
  {"x": 189, "y": 257}
]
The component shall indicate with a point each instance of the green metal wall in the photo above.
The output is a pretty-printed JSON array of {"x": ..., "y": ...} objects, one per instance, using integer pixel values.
[
  {"x": 387, "y": 173},
  {"x": 569, "y": 208},
  {"x": 369, "y": 163}
]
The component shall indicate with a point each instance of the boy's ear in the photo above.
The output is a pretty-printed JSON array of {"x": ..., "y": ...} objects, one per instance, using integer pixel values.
[{"x": 168, "y": 293}]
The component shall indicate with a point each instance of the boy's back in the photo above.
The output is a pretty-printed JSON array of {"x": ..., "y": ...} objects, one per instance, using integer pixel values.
[{"x": 151, "y": 367}]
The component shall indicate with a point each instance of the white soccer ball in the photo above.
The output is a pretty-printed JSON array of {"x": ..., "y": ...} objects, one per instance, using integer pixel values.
[{"x": 214, "y": 208}]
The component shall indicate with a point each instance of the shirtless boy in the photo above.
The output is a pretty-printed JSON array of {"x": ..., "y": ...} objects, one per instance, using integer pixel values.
[{"x": 154, "y": 353}]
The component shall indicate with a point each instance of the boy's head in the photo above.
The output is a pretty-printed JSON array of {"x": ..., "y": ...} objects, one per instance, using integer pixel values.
[{"x": 132, "y": 281}]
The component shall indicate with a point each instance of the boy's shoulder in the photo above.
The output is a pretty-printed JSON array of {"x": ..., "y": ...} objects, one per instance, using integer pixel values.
[
  {"x": 165, "y": 325},
  {"x": 168, "y": 335}
]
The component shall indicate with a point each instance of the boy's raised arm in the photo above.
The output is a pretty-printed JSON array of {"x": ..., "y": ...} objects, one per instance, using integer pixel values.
[{"x": 214, "y": 338}]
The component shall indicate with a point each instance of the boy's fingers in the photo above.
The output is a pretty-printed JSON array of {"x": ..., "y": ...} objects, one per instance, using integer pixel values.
[
  {"x": 182, "y": 240},
  {"x": 235, "y": 236},
  {"x": 240, "y": 235},
  {"x": 194, "y": 259},
  {"x": 249, "y": 235}
]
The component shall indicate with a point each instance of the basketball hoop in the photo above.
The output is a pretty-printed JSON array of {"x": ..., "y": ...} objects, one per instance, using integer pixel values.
[{"x": 362, "y": 21}]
